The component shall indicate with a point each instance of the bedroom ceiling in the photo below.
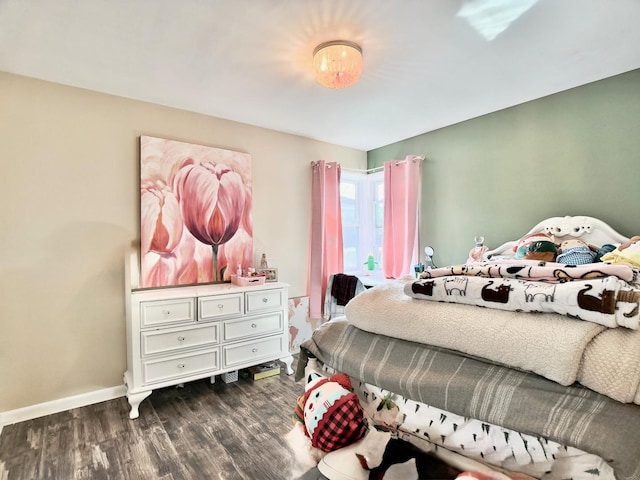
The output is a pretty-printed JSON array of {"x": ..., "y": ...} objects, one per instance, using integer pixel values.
[{"x": 427, "y": 64}]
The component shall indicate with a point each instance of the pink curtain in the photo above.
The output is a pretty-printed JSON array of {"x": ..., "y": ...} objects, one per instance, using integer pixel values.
[
  {"x": 326, "y": 233},
  {"x": 401, "y": 213}
]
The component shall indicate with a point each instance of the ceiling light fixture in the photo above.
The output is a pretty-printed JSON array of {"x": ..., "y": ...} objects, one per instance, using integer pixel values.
[{"x": 338, "y": 64}]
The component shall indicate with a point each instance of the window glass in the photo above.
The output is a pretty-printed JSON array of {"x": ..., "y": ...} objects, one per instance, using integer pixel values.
[{"x": 362, "y": 208}]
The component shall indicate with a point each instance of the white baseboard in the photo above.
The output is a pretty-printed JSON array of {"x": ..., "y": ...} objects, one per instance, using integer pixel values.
[{"x": 55, "y": 406}]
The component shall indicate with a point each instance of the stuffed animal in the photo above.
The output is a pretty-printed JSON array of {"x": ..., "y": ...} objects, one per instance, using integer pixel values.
[
  {"x": 536, "y": 246},
  {"x": 330, "y": 432},
  {"x": 575, "y": 252},
  {"x": 627, "y": 253},
  {"x": 423, "y": 465},
  {"x": 382, "y": 456},
  {"x": 330, "y": 412},
  {"x": 384, "y": 412}
]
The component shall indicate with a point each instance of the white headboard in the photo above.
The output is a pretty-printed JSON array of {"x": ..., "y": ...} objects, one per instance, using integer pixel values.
[{"x": 592, "y": 230}]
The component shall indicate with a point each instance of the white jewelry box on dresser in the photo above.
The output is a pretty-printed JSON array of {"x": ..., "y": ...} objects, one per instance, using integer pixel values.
[{"x": 183, "y": 333}]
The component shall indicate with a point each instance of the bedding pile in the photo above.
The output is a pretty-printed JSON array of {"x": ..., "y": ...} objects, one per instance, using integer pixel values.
[
  {"x": 528, "y": 364},
  {"x": 557, "y": 347},
  {"x": 572, "y": 416}
]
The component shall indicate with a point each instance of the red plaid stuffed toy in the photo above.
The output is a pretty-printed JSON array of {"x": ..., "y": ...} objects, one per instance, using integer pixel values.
[{"x": 331, "y": 412}]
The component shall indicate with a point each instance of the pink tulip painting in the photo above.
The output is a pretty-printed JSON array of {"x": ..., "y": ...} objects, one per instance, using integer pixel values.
[
  {"x": 194, "y": 200},
  {"x": 212, "y": 202}
]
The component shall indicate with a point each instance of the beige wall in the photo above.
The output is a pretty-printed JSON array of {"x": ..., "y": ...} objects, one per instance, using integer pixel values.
[
  {"x": 69, "y": 205},
  {"x": 573, "y": 153}
]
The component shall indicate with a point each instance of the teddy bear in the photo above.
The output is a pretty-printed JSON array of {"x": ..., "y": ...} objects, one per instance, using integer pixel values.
[
  {"x": 536, "y": 246},
  {"x": 575, "y": 252}
]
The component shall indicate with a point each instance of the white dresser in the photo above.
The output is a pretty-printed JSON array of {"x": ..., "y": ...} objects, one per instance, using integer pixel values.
[{"x": 179, "y": 334}]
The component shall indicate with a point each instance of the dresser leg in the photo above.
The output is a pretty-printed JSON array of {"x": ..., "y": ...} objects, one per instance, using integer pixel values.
[
  {"x": 134, "y": 400},
  {"x": 288, "y": 362}
]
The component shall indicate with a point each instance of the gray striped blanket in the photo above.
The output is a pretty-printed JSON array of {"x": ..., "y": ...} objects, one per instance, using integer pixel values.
[{"x": 521, "y": 401}]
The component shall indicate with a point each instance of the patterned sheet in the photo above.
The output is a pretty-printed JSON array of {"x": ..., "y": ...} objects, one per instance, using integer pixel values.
[
  {"x": 573, "y": 416},
  {"x": 606, "y": 301},
  {"x": 538, "y": 271},
  {"x": 485, "y": 442}
]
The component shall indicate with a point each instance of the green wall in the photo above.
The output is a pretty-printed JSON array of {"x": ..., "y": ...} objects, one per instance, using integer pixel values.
[{"x": 573, "y": 153}]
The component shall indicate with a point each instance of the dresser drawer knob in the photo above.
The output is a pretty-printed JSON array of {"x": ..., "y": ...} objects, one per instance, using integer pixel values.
[
  {"x": 181, "y": 338},
  {"x": 254, "y": 350},
  {"x": 166, "y": 313},
  {"x": 253, "y": 325},
  {"x": 265, "y": 299},
  {"x": 181, "y": 365},
  {"x": 220, "y": 306}
]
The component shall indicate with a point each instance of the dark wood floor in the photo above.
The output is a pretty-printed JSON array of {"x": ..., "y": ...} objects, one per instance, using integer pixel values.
[{"x": 202, "y": 431}]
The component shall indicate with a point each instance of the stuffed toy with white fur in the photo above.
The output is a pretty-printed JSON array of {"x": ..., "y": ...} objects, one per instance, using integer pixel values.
[
  {"x": 330, "y": 412},
  {"x": 326, "y": 418}
]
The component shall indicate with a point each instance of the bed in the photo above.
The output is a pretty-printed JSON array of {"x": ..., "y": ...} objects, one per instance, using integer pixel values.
[{"x": 531, "y": 367}]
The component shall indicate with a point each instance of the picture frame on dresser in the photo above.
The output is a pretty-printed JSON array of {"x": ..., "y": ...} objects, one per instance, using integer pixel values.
[{"x": 271, "y": 274}]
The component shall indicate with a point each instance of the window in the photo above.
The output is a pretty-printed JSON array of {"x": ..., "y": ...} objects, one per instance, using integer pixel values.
[{"x": 362, "y": 209}]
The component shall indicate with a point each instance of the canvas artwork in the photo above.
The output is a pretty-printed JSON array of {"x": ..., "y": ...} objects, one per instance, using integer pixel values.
[{"x": 195, "y": 213}]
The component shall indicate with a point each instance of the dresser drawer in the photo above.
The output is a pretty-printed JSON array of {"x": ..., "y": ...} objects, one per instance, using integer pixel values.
[
  {"x": 167, "y": 368},
  {"x": 253, "y": 352},
  {"x": 214, "y": 307},
  {"x": 164, "y": 312},
  {"x": 252, "y": 326},
  {"x": 264, "y": 300},
  {"x": 173, "y": 339}
]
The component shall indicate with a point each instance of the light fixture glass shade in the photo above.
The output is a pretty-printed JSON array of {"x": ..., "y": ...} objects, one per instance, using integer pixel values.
[{"x": 338, "y": 64}]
